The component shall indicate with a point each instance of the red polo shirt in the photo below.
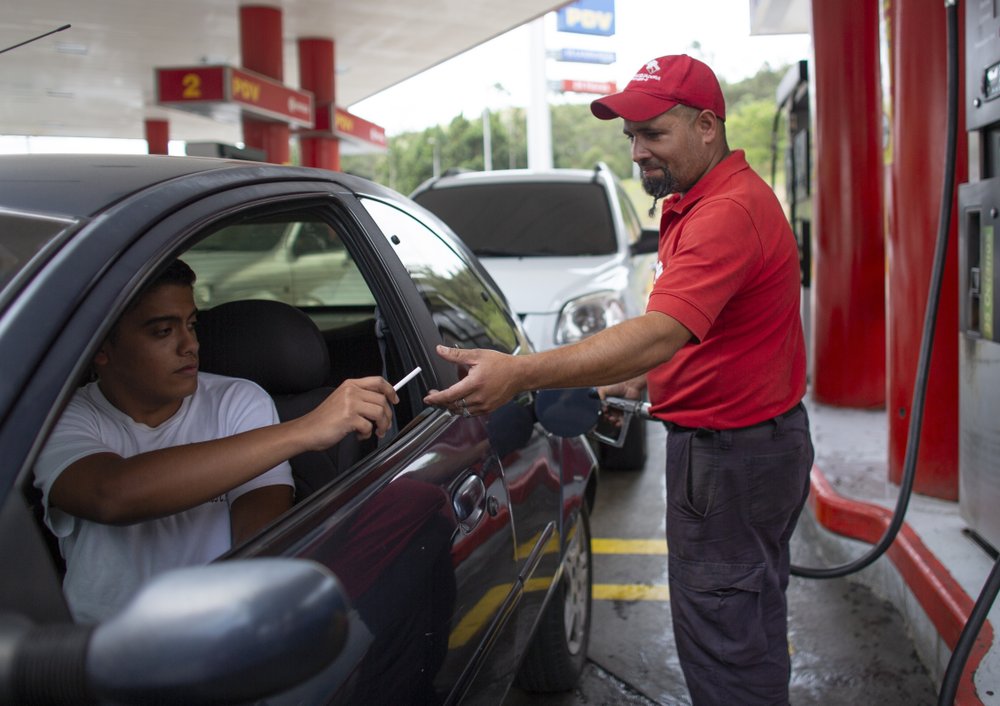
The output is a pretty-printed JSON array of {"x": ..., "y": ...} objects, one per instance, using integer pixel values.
[{"x": 729, "y": 272}]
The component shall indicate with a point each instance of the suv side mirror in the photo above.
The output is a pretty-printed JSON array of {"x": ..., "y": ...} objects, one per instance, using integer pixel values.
[
  {"x": 230, "y": 632},
  {"x": 648, "y": 242}
]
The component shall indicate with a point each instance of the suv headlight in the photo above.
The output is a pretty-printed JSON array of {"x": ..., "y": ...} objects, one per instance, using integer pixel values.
[{"x": 587, "y": 315}]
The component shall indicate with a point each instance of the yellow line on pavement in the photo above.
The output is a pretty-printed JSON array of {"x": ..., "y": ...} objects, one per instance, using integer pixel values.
[
  {"x": 629, "y": 592},
  {"x": 628, "y": 546}
]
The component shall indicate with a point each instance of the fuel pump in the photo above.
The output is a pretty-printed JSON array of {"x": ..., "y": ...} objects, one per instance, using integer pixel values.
[
  {"x": 792, "y": 100},
  {"x": 979, "y": 324}
]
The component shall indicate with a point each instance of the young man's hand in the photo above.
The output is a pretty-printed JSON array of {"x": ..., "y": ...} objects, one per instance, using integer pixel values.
[{"x": 362, "y": 406}]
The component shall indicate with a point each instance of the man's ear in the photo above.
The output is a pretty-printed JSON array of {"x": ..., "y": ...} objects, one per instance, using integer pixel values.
[
  {"x": 707, "y": 123},
  {"x": 101, "y": 357}
]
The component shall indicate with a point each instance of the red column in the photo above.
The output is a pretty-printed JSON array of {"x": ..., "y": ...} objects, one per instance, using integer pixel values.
[
  {"x": 260, "y": 47},
  {"x": 918, "y": 88},
  {"x": 848, "y": 253},
  {"x": 316, "y": 74},
  {"x": 157, "y": 136}
]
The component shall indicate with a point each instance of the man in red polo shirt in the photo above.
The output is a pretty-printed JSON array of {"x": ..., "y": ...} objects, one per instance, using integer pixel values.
[{"x": 722, "y": 352}]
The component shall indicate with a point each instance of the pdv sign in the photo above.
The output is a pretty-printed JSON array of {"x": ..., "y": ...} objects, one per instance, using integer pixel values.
[{"x": 588, "y": 17}]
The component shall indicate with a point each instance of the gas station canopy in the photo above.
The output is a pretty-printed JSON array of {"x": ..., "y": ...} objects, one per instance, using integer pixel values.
[{"x": 97, "y": 78}]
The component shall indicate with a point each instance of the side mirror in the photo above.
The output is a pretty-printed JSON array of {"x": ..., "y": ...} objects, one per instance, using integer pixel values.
[
  {"x": 568, "y": 412},
  {"x": 230, "y": 632},
  {"x": 648, "y": 242}
]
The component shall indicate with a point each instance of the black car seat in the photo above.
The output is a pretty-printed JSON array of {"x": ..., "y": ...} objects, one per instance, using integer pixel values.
[{"x": 281, "y": 349}]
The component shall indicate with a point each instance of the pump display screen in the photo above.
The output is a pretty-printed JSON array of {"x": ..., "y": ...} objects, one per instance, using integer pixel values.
[{"x": 991, "y": 82}]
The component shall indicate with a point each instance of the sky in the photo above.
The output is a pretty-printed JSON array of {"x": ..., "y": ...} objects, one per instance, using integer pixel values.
[{"x": 716, "y": 31}]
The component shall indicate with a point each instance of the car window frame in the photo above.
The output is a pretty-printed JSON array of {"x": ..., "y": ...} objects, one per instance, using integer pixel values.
[{"x": 135, "y": 255}]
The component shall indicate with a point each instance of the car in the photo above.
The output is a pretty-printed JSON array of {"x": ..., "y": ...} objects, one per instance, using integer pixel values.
[
  {"x": 439, "y": 564},
  {"x": 567, "y": 248}
]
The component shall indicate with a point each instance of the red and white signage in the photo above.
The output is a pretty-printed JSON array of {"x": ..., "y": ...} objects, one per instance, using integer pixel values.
[
  {"x": 600, "y": 87},
  {"x": 202, "y": 88}
]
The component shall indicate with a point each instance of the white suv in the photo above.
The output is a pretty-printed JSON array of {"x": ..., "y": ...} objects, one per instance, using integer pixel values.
[{"x": 566, "y": 248}]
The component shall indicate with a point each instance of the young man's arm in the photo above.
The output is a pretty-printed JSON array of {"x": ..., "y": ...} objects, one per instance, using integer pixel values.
[
  {"x": 619, "y": 353},
  {"x": 252, "y": 510},
  {"x": 110, "y": 489}
]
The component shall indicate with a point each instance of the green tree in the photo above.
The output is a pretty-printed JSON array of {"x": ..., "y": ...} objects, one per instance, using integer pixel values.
[{"x": 578, "y": 139}]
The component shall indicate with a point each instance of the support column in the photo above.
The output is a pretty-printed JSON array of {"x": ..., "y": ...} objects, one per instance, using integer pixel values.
[
  {"x": 316, "y": 74},
  {"x": 261, "y": 51},
  {"x": 917, "y": 54},
  {"x": 848, "y": 255},
  {"x": 157, "y": 136}
]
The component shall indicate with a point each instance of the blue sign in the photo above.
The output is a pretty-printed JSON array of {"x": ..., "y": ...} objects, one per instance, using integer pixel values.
[
  {"x": 586, "y": 56},
  {"x": 588, "y": 17}
]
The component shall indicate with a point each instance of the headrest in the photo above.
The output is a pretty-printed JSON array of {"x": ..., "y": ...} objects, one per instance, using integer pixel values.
[{"x": 272, "y": 343}]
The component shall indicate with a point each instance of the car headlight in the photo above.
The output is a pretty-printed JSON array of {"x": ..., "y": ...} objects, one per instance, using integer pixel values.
[{"x": 587, "y": 315}]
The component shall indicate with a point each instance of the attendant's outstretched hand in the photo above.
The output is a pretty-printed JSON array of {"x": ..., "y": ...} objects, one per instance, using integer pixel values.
[{"x": 489, "y": 383}]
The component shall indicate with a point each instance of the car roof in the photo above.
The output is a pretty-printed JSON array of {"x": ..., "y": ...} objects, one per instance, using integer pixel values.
[
  {"x": 87, "y": 184},
  {"x": 509, "y": 176}
]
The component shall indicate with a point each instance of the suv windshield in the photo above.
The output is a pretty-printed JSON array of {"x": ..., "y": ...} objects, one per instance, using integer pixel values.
[{"x": 526, "y": 219}]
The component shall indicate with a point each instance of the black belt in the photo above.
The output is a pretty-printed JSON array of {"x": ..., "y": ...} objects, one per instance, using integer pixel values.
[{"x": 704, "y": 430}]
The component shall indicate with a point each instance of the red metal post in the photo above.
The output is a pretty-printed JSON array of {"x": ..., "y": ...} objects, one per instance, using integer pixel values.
[
  {"x": 849, "y": 257},
  {"x": 260, "y": 46},
  {"x": 157, "y": 136},
  {"x": 316, "y": 74},
  {"x": 917, "y": 53}
]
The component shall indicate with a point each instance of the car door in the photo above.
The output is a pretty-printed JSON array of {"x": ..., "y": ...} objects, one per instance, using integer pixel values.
[
  {"x": 418, "y": 532},
  {"x": 470, "y": 312}
]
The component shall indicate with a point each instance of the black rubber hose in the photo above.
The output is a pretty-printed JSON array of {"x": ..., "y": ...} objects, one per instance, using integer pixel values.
[
  {"x": 930, "y": 321},
  {"x": 960, "y": 655}
]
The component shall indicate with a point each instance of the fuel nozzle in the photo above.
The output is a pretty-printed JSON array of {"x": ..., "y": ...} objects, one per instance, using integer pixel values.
[{"x": 616, "y": 416}]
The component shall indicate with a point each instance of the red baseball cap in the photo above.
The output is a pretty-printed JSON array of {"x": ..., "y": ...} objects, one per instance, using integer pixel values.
[{"x": 660, "y": 85}]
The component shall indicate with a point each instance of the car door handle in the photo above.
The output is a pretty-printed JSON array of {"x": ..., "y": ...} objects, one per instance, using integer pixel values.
[{"x": 469, "y": 502}]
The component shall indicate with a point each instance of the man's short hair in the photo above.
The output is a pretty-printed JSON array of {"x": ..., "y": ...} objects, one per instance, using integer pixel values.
[{"x": 177, "y": 272}]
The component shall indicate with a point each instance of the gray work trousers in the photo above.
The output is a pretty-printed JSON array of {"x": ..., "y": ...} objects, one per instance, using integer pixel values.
[{"x": 733, "y": 498}]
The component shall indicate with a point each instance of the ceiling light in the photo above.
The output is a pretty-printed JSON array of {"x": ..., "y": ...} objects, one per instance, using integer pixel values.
[{"x": 71, "y": 48}]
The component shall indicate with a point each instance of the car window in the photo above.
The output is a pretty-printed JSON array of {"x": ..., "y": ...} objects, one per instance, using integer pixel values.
[
  {"x": 466, "y": 312},
  {"x": 633, "y": 227},
  {"x": 297, "y": 259},
  {"x": 526, "y": 219}
]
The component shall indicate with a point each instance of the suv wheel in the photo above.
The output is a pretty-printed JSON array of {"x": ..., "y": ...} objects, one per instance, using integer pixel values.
[{"x": 631, "y": 456}]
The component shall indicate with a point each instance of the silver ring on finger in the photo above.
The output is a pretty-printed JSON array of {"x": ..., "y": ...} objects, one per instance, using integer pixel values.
[{"x": 465, "y": 409}]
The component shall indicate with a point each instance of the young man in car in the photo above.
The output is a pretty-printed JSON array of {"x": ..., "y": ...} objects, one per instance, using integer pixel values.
[
  {"x": 721, "y": 347},
  {"x": 156, "y": 465}
]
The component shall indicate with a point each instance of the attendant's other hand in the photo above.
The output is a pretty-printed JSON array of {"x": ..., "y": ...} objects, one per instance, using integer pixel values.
[
  {"x": 489, "y": 383},
  {"x": 630, "y": 390}
]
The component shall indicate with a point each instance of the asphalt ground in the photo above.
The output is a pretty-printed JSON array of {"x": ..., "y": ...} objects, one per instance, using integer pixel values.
[{"x": 849, "y": 647}]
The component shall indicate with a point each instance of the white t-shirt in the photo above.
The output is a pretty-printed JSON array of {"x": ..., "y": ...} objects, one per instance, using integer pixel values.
[{"x": 106, "y": 564}]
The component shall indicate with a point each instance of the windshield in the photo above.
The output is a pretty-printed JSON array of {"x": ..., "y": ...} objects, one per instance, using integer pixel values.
[{"x": 526, "y": 219}]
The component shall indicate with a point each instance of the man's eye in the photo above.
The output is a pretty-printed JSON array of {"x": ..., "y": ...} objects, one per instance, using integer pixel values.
[{"x": 161, "y": 332}]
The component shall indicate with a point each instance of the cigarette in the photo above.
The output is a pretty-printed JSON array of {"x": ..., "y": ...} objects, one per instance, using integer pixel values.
[{"x": 409, "y": 376}]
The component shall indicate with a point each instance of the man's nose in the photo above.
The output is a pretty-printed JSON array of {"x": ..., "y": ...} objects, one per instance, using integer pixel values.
[
  {"x": 639, "y": 151},
  {"x": 189, "y": 341}
]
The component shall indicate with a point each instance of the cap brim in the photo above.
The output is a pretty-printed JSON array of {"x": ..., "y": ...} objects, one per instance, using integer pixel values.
[{"x": 631, "y": 105}]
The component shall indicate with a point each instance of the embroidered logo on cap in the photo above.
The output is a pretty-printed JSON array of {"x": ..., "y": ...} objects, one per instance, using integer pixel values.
[{"x": 652, "y": 68}]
